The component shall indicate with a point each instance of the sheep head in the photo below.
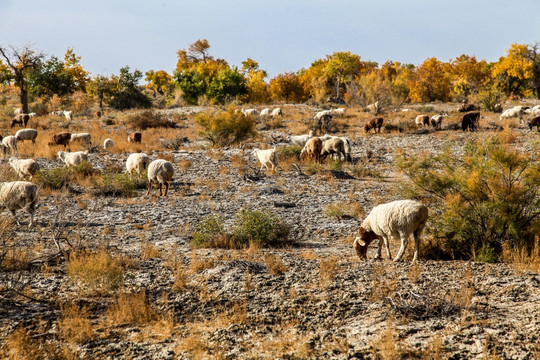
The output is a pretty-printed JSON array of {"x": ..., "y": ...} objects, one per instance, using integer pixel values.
[{"x": 361, "y": 242}]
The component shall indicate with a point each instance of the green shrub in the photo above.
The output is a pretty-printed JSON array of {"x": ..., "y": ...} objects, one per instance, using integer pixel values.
[
  {"x": 260, "y": 227},
  {"x": 208, "y": 233},
  {"x": 54, "y": 179},
  {"x": 287, "y": 152},
  {"x": 114, "y": 184},
  {"x": 225, "y": 128},
  {"x": 485, "y": 198}
]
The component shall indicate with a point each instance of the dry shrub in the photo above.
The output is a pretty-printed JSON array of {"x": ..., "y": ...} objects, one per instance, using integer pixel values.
[
  {"x": 131, "y": 308},
  {"x": 21, "y": 344},
  {"x": 389, "y": 346},
  {"x": 225, "y": 128},
  {"x": 199, "y": 264},
  {"x": 180, "y": 277},
  {"x": 149, "y": 251},
  {"x": 75, "y": 327},
  {"x": 97, "y": 272},
  {"x": 13, "y": 255},
  {"x": 275, "y": 265},
  {"x": 143, "y": 120},
  {"x": 239, "y": 162},
  {"x": 328, "y": 269},
  {"x": 414, "y": 272},
  {"x": 523, "y": 258},
  {"x": 383, "y": 283}
]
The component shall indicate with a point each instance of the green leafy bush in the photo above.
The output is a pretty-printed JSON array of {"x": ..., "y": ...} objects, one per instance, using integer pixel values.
[
  {"x": 54, "y": 179},
  {"x": 287, "y": 152},
  {"x": 225, "y": 128},
  {"x": 488, "y": 197},
  {"x": 208, "y": 231},
  {"x": 117, "y": 184},
  {"x": 260, "y": 227}
]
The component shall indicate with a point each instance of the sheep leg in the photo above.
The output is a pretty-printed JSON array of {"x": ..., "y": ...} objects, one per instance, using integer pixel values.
[
  {"x": 379, "y": 248},
  {"x": 387, "y": 243},
  {"x": 15, "y": 216},
  {"x": 404, "y": 242},
  {"x": 149, "y": 187},
  {"x": 416, "y": 234},
  {"x": 166, "y": 188}
]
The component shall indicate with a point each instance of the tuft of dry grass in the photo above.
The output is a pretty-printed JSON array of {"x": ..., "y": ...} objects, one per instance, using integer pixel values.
[
  {"x": 149, "y": 251},
  {"x": 328, "y": 269},
  {"x": 521, "y": 258},
  {"x": 75, "y": 326},
  {"x": 275, "y": 265},
  {"x": 131, "y": 308}
]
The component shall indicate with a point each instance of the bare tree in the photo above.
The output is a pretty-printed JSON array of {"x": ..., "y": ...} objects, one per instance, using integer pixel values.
[{"x": 21, "y": 62}]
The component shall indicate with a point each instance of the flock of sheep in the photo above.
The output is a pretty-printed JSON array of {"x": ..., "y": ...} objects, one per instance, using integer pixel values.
[{"x": 398, "y": 219}]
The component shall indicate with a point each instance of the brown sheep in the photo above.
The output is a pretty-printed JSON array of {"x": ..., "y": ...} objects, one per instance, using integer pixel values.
[
  {"x": 62, "y": 138},
  {"x": 333, "y": 146},
  {"x": 468, "y": 107},
  {"x": 470, "y": 121},
  {"x": 21, "y": 119},
  {"x": 422, "y": 120},
  {"x": 375, "y": 123},
  {"x": 534, "y": 122},
  {"x": 134, "y": 137},
  {"x": 97, "y": 114},
  {"x": 313, "y": 149}
]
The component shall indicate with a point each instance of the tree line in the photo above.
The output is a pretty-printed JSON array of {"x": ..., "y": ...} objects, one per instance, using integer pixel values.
[{"x": 200, "y": 78}]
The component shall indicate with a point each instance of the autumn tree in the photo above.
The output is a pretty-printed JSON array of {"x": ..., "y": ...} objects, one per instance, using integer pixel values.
[
  {"x": 340, "y": 68},
  {"x": 159, "y": 82},
  {"x": 101, "y": 88},
  {"x": 288, "y": 87},
  {"x": 125, "y": 91},
  {"x": 467, "y": 74},
  {"x": 514, "y": 71},
  {"x": 430, "y": 82},
  {"x": 18, "y": 65},
  {"x": 227, "y": 85},
  {"x": 257, "y": 88}
]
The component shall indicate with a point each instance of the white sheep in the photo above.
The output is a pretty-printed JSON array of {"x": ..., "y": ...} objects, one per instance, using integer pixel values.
[
  {"x": 17, "y": 195},
  {"x": 137, "y": 162},
  {"x": 27, "y": 134},
  {"x": 161, "y": 171},
  {"x": 397, "y": 219},
  {"x": 82, "y": 138},
  {"x": 18, "y": 111},
  {"x": 265, "y": 112},
  {"x": 108, "y": 144},
  {"x": 322, "y": 113},
  {"x": 333, "y": 146},
  {"x": 24, "y": 167},
  {"x": 266, "y": 157},
  {"x": 68, "y": 115},
  {"x": 436, "y": 121},
  {"x": 422, "y": 120},
  {"x": 73, "y": 158},
  {"x": 10, "y": 144},
  {"x": 347, "y": 144},
  {"x": 516, "y": 111},
  {"x": 374, "y": 108},
  {"x": 32, "y": 114},
  {"x": 299, "y": 139},
  {"x": 277, "y": 112},
  {"x": 249, "y": 112},
  {"x": 340, "y": 112}
]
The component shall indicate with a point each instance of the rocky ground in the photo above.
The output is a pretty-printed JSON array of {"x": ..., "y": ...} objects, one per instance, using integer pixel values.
[{"x": 310, "y": 299}]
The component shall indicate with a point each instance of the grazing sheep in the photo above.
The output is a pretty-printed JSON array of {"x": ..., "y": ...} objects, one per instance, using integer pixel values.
[
  {"x": 333, "y": 146},
  {"x": 266, "y": 157},
  {"x": 73, "y": 158},
  {"x": 277, "y": 112},
  {"x": 32, "y": 114},
  {"x": 265, "y": 112},
  {"x": 161, "y": 171},
  {"x": 516, "y": 111},
  {"x": 436, "y": 121},
  {"x": 137, "y": 162},
  {"x": 422, "y": 120},
  {"x": 347, "y": 143},
  {"x": 68, "y": 115},
  {"x": 470, "y": 121},
  {"x": 24, "y": 167},
  {"x": 27, "y": 134},
  {"x": 62, "y": 138},
  {"x": 10, "y": 144},
  {"x": 534, "y": 122},
  {"x": 313, "y": 149},
  {"x": 299, "y": 139},
  {"x": 340, "y": 112},
  {"x": 21, "y": 120},
  {"x": 134, "y": 137},
  {"x": 249, "y": 112},
  {"x": 375, "y": 123},
  {"x": 397, "y": 219},
  {"x": 81, "y": 138},
  {"x": 17, "y": 195},
  {"x": 322, "y": 113},
  {"x": 108, "y": 144}
]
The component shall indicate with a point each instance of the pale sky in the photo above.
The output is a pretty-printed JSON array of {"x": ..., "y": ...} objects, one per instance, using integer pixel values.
[{"x": 281, "y": 35}]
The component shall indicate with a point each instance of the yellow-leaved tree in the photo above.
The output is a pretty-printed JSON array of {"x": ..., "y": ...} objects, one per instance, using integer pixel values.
[
  {"x": 513, "y": 72},
  {"x": 257, "y": 88},
  {"x": 430, "y": 82}
]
